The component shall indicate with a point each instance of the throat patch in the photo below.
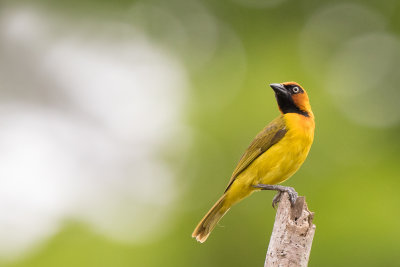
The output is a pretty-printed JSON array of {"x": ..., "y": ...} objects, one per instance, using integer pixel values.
[{"x": 286, "y": 105}]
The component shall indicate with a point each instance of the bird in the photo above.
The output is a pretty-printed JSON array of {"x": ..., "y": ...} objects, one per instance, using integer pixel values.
[{"x": 274, "y": 155}]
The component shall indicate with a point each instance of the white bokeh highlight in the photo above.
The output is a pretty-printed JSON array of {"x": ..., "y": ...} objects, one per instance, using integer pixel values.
[{"x": 92, "y": 156}]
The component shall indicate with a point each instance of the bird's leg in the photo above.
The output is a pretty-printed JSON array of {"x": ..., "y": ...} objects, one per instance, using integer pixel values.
[{"x": 290, "y": 190}]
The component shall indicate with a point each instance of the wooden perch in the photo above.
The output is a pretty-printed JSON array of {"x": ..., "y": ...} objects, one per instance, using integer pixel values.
[{"x": 292, "y": 236}]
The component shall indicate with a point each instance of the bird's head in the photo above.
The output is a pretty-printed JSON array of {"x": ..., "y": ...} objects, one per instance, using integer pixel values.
[{"x": 292, "y": 98}]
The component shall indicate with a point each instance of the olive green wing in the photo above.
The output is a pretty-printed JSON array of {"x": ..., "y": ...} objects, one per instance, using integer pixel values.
[{"x": 269, "y": 136}]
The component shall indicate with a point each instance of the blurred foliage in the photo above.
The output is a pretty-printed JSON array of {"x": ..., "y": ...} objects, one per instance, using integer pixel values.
[{"x": 350, "y": 177}]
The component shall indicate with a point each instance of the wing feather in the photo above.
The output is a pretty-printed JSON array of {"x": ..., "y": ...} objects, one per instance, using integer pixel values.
[{"x": 269, "y": 136}]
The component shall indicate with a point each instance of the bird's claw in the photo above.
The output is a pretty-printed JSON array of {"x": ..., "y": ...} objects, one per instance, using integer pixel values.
[
  {"x": 290, "y": 190},
  {"x": 276, "y": 199},
  {"x": 292, "y": 195}
]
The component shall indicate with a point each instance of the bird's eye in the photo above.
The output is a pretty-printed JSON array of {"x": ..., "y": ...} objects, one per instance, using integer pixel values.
[{"x": 296, "y": 89}]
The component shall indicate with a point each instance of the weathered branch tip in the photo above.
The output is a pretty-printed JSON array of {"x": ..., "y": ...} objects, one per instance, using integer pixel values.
[{"x": 292, "y": 235}]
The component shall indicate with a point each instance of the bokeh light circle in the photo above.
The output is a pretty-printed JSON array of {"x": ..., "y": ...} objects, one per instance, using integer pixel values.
[
  {"x": 363, "y": 79},
  {"x": 329, "y": 27}
]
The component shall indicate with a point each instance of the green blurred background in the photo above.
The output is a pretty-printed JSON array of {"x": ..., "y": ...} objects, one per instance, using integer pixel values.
[{"x": 123, "y": 120}]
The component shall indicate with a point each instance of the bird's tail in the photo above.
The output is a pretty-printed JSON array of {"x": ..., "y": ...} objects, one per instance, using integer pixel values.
[{"x": 210, "y": 220}]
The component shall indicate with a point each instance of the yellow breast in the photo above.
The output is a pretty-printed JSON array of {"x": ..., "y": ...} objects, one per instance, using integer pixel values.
[{"x": 283, "y": 159}]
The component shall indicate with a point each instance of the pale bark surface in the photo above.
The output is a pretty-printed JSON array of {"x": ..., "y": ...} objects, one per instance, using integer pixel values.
[{"x": 292, "y": 236}]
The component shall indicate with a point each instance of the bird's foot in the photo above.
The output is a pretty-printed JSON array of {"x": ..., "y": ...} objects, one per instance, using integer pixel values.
[
  {"x": 290, "y": 190},
  {"x": 276, "y": 199}
]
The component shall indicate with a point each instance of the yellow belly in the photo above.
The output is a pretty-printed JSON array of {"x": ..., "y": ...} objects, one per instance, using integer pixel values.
[{"x": 279, "y": 162}]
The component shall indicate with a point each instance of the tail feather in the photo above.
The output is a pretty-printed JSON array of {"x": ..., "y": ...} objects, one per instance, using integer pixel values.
[{"x": 210, "y": 220}]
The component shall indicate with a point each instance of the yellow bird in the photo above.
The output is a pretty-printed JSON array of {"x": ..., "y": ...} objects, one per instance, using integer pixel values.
[{"x": 275, "y": 154}]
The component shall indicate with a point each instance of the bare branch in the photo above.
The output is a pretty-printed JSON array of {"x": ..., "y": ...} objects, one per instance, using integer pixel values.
[{"x": 292, "y": 236}]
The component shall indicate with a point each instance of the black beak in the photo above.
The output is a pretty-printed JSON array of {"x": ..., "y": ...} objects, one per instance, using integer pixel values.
[{"x": 279, "y": 88}]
